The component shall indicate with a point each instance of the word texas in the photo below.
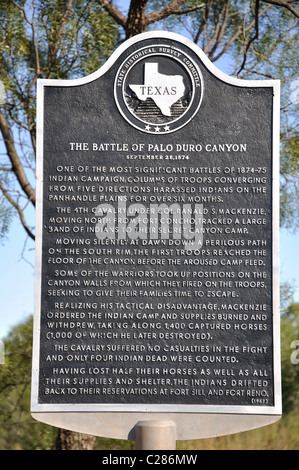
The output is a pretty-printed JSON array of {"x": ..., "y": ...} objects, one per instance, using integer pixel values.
[{"x": 156, "y": 221}]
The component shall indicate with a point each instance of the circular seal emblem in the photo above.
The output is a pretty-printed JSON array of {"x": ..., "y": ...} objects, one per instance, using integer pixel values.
[{"x": 158, "y": 89}]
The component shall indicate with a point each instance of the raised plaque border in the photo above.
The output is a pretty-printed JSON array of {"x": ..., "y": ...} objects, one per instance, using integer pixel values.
[{"x": 115, "y": 420}]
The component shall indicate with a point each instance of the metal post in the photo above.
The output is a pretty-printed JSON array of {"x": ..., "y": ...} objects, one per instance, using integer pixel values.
[{"x": 155, "y": 435}]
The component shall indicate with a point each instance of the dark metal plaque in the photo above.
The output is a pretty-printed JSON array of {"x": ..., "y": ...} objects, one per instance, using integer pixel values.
[{"x": 157, "y": 274}]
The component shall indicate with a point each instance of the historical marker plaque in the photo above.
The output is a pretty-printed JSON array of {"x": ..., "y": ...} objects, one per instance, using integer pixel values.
[{"x": 157, "y": 273}]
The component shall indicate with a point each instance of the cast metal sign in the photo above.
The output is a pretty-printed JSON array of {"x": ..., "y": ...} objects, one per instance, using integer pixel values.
[{"x": 157, "y": 286}]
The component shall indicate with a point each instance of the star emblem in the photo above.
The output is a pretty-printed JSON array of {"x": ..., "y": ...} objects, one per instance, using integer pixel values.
[
  {"x": 147, "y": 128},
  {"x": 167, "y": 128},
  {"x": 157, "y": 129}
]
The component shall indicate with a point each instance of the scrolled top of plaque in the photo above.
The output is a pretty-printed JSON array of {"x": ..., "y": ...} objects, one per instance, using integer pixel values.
[{"x": 159, "y": 86}]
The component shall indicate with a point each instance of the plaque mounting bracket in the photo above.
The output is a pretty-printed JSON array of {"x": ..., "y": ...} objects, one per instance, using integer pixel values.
[{"x": 155, "y": 435}]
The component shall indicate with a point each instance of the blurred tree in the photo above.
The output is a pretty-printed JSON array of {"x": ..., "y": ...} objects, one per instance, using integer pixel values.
[
  {"x": 18, "y": 431},
  {"x": 40, "y": 39}
]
